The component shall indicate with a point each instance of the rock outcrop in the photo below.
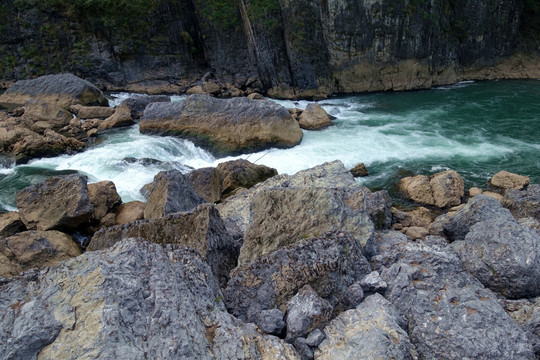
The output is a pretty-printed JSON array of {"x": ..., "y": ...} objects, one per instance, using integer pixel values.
[
  {"x": 132, "y": 301},
  {"x": 226, "y": 127}
]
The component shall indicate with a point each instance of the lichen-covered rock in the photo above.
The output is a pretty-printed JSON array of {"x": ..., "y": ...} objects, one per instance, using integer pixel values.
[
  {"x": 132, "y": 301},
  {"x": 34, "y": 249},
  {"x": 207, "y": 183},
  {"x": 201, "y": 229},
  {"x": 374, "y": 330},
  {"x": 442, "y": 189},
  {"x": 59, "y": 203},
  {"x": 450, "y": 314},
  {"x": 379, "y": 207},
  {"x": 104, "y": 198},
  {"x": 329, "y": 264},
  {"x": 281, "y": 216},
  {"x": 314, "y": 117},
  {"x": 229, "y": 126},
  {"x": 505, "y": 180},
  {"x": 504, "y": 256},
  {"x": 62, "y": 90},
  {"x": 242, "y": 174},
  {"x": 526, "y": 313},
  {"x": 306, "y": 311},
  {"x": 524, "y": 203},
  {"x": 10, "y": 224},
  {"x": 170, "y": 193}
]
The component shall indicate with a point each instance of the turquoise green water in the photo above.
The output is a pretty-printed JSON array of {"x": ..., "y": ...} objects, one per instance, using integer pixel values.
[{"x": 475, "y": 128}]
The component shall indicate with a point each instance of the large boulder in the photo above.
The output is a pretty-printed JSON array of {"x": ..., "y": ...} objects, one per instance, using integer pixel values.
[
  {"x": 170, "y": 193},
  {"x": 314, "y": 117},
  {"x": 524, "y": 203},
  {"x": 504, "y": 180},
  {"x": 504, "y": 256},
  {"x": 61, "y": 90},
  {"x": 136, "y": 300},
  {"x": 281, "y": 216},
  {"x": 34, "y": 249},
  {"x": 201, "y": 230},
  {"x": 450, "y": 314},
  {"x": 477, "y": 209},
  {"x": 226, "y": 126},
  {"x": 242, "y": 174},
  {"x": 236, "y": 210},
  {"x": 374, "y": 330},
  {"x": 329, "y": 264},
  {"x": 443, "y": 189},
  {"x": 58, "y": 203}
]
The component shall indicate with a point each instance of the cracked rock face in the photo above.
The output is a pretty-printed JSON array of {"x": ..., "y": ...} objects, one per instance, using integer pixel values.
[{"x": 135, "y": 300}]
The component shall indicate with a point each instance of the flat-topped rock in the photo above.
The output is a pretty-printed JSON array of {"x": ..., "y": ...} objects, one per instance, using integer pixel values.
[{"x": 225, "y": 126}]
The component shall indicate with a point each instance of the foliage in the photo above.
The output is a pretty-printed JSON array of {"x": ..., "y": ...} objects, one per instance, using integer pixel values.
[{"x": 222, "y": 13}]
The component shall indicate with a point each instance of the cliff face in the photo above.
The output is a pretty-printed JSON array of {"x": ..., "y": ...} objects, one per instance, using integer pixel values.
[{"x": 287, "y": 47}]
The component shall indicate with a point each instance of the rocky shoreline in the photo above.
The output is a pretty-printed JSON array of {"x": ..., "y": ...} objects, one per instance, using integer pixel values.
[{"x": 300, "y": 266}]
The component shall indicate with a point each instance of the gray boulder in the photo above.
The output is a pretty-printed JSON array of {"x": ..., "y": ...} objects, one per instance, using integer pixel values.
[
  {"x": 201, "y": 230},
  {"x": 170, "y": 193},
  {"x": 306, "y": 311},
  {"x": 379, "y": 207},
  {"x": 477, "y": 209},
  {"x": 374, "y": 330},
  {"x": 526, "y": 313},
  {"x": 136, "y": 300},
  {"x": 58, "y": 203},
  {"x": 271, "y": 321},
  {"x": 450, "y": 314},
  {"x": 504, "y": 256},
  {"x": 329, "y": 264},
  {"x": 226, "y": 126},
  {"x": 62, "y": 90},
  {"x": 137, "y": 104},
  {"x": 524, "y": 203}
]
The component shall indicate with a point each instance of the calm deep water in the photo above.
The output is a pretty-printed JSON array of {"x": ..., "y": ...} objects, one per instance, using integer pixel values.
[{"x": 475, "y": 128}]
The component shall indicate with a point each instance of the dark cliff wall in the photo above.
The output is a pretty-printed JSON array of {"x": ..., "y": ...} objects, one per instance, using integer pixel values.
[{"x": 289, "y": 47}]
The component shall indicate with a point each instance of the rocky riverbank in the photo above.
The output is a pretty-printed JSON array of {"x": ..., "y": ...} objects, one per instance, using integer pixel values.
[{"x": 239, "y": 262}]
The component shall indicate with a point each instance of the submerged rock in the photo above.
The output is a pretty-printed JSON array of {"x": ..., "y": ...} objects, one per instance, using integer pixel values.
[
  {"x": 135, "y": 300},
  {"x": 230, "y": 126},
  {"x": 59, "y": 203}
]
